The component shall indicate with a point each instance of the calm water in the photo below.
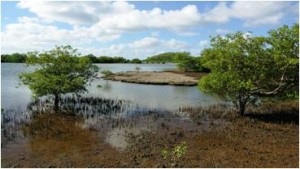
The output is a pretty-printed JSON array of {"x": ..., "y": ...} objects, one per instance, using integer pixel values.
[
  {"x": 104, "y": 117},
  {"x": 150, "y": 96}
]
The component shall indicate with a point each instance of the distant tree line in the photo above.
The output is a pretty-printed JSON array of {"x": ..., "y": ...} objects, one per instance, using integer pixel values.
[
  {"x": 21, "y": 58},
  {"x": 185, "y": 62},
  {"x": 14, "y": 58},
  {"x": 168, "y": 57},
  {"x": 108, "y": 59}
]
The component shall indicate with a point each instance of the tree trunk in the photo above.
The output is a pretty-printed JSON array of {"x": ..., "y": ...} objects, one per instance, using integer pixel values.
[
  {"x": 242, "y": 107},
  {"x": 56, "y": 102}
]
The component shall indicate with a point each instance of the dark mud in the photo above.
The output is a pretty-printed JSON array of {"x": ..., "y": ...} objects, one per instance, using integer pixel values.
[{"x": 124, "y": 135}]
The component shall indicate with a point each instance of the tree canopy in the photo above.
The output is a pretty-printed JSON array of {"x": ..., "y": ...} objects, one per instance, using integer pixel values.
[
  {"x": 58, "y": 71},
  {"x": 244, "y": 67},
  {"x": 188, "y": 63},
  {"x": 167, "y": 57},
  {"x": 14, "y": 58}
]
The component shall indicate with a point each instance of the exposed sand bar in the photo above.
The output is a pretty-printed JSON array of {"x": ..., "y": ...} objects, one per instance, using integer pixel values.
[{"x": 153, "y": 77}]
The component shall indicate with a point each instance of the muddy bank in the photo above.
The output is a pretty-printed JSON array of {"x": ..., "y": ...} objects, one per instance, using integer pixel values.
[
  {"x": 249, "y": 141},
  {"x": 268, "y": 136},
  {"x": 157, "y": 78}
]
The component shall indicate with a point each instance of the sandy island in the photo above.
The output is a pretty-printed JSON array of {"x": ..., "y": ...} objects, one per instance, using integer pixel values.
[{"x": 157, "y": 78}]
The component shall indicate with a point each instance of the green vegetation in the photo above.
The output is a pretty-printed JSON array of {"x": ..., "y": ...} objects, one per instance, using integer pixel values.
[
  {"x": 107, "y": 59},
  {"x": 59, "y": 71},
  {"x": 106, "y": 73},
  {"x": 14, "y": 58},
  {"x": 188, "y": 63},
  {"x": 245, "y": 68},
  {"x": 168, "y": 57},
  {"x": 172, "y": 156},
  {"x": 136, "y": 60},
  {"x": 21, "y": 58}
]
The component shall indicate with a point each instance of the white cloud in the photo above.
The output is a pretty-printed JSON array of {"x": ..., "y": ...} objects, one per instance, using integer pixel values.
[
  {"x": 113, "y": 15},
  {"x": 98, "y": 22},
  {"x": 71, "y": 12},
  {"x": 145, "y": 43},
  {"x": 255, "y": 13},
  {"x": 150, "y": 42},
  {"x": 262, "y": 12},
  {"x": 203, "y": 44},
  {"x": 141, "y": 48}
]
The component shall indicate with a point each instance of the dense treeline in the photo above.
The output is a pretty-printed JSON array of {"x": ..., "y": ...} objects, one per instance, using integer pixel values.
[
  {"x": 188, "y": 63},
  {"x": 168, "y": 57},
  {"x": 21, "y": 58},
  {"x": 14, "y": 58},
  {"x": 107, "y": 59},
  {"x": 185, "y": 62}
]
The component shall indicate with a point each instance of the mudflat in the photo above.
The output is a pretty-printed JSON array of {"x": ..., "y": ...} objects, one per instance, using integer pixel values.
[
  {"x": 155, "y": 77},
  {"x": 267, "y": 136}
]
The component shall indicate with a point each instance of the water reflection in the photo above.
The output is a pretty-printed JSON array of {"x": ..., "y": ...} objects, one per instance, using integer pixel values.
[
  {"x": 151, "y": 96},
  {"x": 84, "y": 132},
  {"x": 87, "y": 113},
  {"x": 107, "y": 87}
]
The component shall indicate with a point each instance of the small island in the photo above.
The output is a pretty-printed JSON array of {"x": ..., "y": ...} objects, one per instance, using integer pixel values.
[{"x": 157, "y": 77}]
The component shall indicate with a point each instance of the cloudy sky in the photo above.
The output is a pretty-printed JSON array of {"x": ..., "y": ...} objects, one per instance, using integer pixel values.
[{"x": 134, "y": 29}]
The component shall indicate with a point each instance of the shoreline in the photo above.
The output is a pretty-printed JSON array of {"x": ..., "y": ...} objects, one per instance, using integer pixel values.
[
  {"x": 174, "y": 78},
  {"x": 223, "y": 139}
]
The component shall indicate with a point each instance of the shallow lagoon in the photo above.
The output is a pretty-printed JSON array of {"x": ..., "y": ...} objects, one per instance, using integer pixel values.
[
  {"x": 151, "y": 96},
  {"x": 105, "y": 116}
]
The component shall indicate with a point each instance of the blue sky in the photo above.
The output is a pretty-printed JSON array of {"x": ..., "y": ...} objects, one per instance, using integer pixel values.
[{"x": 134, "y": 29}]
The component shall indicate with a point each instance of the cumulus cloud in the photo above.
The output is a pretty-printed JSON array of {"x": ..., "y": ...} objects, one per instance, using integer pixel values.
[
  {"x": 31, "y": 34},
  {"x": 64, "y": 11},
  {"x": 141, "y": 48},
  {"x": 204, "y": 44},
  {"x": 101, "y": 21},
  {"x": 113, "y": 15},
  {"x": 252, "y": 13},
  {"x": 147, "y": 42},
  {"x": 124, "y": 16}
]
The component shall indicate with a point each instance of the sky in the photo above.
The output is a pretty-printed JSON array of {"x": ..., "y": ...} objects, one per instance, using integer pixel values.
[{"x": 135, "y": 29}]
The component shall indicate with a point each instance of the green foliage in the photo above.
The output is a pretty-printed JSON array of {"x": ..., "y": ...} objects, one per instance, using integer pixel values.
[
  {"x": 92, "y": 58},
  {"x": 14, "y": 58},
  {"x": 106, "y": 59},
  {"x": 244, "y": 68},
  {"x": 168, "y": 57},
  {"x": 58, "y": 71},
  {"x": 106, "y": 73},
  {"x": 188, "y": 63},
  {"x": 136, "y": 60},
  {"x": 172, "y": 156}
]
